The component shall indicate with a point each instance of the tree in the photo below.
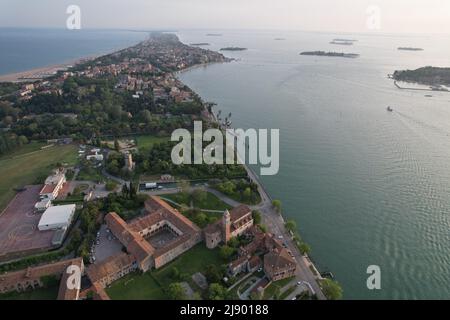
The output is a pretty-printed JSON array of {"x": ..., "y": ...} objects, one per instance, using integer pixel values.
[
  {"x": 291, "y": 225},
  {"x": 277, "y": 205},
  {"x": 199, "y": 196},
  {"x": 201, "y": 220},
  {"x": 234, "y": 242},
  {"x": 113, "y": 167},
  {"x": 217, "y": 292},
  {"x": 110, "y": 185},
  {"x": 331, "y": 289},
  {"x": 263, "y": 228},
  {"x": 256, "y": 214},
  {"x": 304, "y": 248},
  {"x": 175, "y": 274},
  {"x": 146, "y": 116},
  {"x": 226, "y": 252},
  {"x": 213, "y": 274},
  {"x": 247, "y": 194},
  {"x": 176, "y": 291},
  {"x": 125, "y": 190},
  {"x": 133, "y": 190},
  {"x": 184, "y": 186},
  {"x": 116, "y": 145},
  {"x": 23, "y": 140}
]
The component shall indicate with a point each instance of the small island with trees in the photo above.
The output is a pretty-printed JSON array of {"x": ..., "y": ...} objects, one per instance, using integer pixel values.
[
  {"x": 433, "y": 76},
  {"x": 343, "y": 42},
  {"x": 233, "y": 49},
  {"x": 409, "y": 49},
  {"x": 329, "y": 54},
  {"x": 200, "y": 44}
]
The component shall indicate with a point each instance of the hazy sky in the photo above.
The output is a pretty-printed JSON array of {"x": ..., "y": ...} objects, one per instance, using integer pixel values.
[{"x": 396, "y": 16}]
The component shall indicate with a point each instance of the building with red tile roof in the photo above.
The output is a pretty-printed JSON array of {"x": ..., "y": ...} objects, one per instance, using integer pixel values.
[
  {"x": 233, "y": 224},
  {"x": 34, "y": 277}
]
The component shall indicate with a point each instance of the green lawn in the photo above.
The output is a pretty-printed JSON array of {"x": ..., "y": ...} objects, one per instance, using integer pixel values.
[
  {"x": 136, "y": 286},
  {"x": 90, "y": 174},
  {"x": 285, "y": 294},
  {"x": 270, "y": 290},
  {"x": 27, "y": 148},
  {"x": 38, "y": 294},
  {"x": 210, "y": 203},
  {"x": 149, "y": 286},
  {"x": 145, "y": 142},
  {"x": 26, "y": 168},
  {"x": 193, "y": 261}
]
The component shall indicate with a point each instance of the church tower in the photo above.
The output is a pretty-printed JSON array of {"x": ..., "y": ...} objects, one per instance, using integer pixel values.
[{"x": 226, "y": 224}]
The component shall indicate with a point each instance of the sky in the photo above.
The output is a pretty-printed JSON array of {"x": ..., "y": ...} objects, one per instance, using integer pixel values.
[{"x": 386, "y": 16}]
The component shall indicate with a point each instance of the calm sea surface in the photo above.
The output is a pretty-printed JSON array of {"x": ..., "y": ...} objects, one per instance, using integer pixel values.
[
  {"x": 366, "y": 187},
  {"x": 25, "y": 49}
]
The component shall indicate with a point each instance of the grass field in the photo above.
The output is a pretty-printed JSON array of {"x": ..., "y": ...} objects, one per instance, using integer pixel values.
[
  {"x": 136, "y": 286},
  {"x": 38, "y": 294},
  {"x": 210, "y": 203},
  {"x": 27, "y": 148},
  {"x": 147, "y": 141},
  {"x": 144, "y": 287},
  {"x": 193, "y": 261},
  {"x": 25, "y": 168},
  {"x": 271, "y": 289}
]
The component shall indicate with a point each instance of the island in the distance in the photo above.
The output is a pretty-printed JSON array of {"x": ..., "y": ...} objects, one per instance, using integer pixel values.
[
  {"x": 330, "y": 54},
  {"x": 200, "y": 44},
  {"x": 343, "y": 42},
  {"x": 432, "y": 76},
  {"x": 233, "y": 49},
  {"x": 409, "y": 49},
  {"x": 214, "y": 35}
]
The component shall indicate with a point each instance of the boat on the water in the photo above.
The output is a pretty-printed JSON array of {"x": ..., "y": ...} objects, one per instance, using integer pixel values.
[{"x": 389, "y": 109}]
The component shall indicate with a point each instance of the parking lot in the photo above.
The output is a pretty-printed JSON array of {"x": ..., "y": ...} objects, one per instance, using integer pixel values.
[
  {"x": 105, "y": 246},
  {"x": 19, "y": 224}
]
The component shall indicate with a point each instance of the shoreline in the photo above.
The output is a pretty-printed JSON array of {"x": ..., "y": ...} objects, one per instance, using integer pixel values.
[
  {"x": 275, "y": 221},
  {"x": 38, "y": 73}
]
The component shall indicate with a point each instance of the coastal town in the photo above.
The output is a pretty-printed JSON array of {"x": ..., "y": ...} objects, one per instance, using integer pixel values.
[{"x": 100, "y": 195}]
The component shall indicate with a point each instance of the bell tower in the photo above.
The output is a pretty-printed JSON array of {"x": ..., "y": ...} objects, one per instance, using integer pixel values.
[{"x": 226, "y": 224}]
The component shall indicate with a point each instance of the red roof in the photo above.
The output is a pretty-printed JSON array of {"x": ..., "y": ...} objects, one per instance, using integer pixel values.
[{"x": 48, "y": 188}]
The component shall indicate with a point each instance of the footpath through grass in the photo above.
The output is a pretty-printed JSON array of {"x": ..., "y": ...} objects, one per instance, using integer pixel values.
[{"x": 23, "y": 169}]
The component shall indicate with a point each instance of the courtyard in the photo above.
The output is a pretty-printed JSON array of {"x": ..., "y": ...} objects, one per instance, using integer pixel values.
[{"x": 161, "y": 238}]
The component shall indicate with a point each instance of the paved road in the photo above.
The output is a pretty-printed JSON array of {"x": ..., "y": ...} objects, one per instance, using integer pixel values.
[{"x": 275, "y": 223}]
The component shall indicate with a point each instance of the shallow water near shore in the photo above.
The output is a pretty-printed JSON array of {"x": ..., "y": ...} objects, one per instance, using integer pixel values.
[{"x": 366, "y": 187}]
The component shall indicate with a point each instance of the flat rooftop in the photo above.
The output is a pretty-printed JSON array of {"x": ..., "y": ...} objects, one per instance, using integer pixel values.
[{"x": 19, "y": 225}]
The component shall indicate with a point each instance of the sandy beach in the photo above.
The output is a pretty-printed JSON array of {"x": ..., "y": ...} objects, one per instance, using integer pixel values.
[{"x": 36, "y": 74}]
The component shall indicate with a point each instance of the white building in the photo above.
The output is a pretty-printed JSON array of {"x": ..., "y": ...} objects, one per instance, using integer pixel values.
[
  {"x": 43, "y": 205},
  {"x": 53, "y": 185},
  {"x": 97, "y": 157},
  {"x": 57, "y": 217}
]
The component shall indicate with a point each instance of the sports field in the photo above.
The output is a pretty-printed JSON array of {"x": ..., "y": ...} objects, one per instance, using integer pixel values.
[{"x": 20, "y": 168}]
